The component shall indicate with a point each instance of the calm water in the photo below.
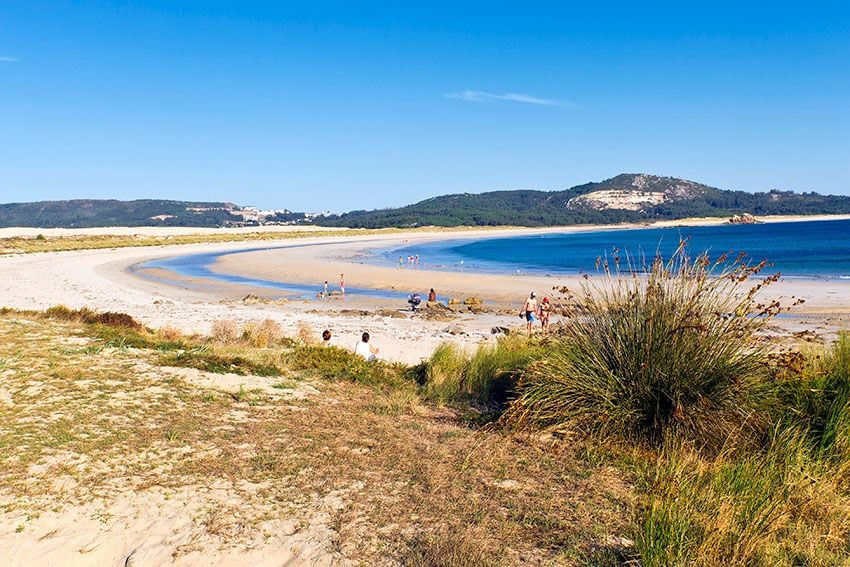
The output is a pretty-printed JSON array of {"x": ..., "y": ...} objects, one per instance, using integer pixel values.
[
  {"x": 199, "y": 266},
  {"x": 803, "y": 249},
  {"x": 819, "y": 249}
]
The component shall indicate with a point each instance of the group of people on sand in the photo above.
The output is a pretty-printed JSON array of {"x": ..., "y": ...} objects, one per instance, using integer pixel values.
[
  {"x": 326, "y": 293},
  {"x": 533, "y": 309},
  {"x": 412, "y": 260}
]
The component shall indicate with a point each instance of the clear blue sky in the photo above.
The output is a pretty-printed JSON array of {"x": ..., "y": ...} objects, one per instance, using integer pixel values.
[{"x": 328, "y": 105}]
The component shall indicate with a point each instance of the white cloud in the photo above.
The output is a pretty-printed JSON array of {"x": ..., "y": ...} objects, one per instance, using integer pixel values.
[
  {"x": 8, "y": 59},
  {"x": 481, "y": 96}
]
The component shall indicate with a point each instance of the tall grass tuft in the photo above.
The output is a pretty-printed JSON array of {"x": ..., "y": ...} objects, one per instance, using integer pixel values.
[
  {"x": 777, "y": 506},
  {"x": 224, "y": 331},
  {"x": 487, "y": 378},
  {"x": 668, "y": 351},
  {"x": 264, "y": 334},
  {"x": 816, "y": 399}
]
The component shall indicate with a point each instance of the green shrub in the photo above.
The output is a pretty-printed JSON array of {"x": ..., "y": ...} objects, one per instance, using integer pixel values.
[
  {"x": 86, "y": 315},
  {"x": 341, "y": 364},
  {"x": 669, "y": 352},
  {"x": 817, "y": 400},
  {"x": 204, "y": 359},
  {"x": 486, "y": 379}
]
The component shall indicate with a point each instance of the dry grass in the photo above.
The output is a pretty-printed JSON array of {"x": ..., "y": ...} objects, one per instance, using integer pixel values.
[
  {"x": 306, "y": 335},
  {"x": 225, "y": 331},
  {"x": 263, "y": 334},
  {"x": 396, "y": 480},
  {"x": 170, "y": 334}
]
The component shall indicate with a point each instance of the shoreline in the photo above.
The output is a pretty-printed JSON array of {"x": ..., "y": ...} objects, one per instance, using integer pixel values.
[
  {"x": 164, "y": 231},
  {"x": 100, "y": 279},
  {"x": 302, "y": 268}
]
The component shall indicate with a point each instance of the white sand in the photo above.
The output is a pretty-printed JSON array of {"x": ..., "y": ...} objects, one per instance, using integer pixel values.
[
  {"x": 99, "y": 279},
  {"x": 157, "y": 526}
]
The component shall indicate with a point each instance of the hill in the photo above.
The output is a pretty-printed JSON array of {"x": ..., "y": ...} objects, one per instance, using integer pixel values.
[
  {"x": 82, "y": 213},
  {"x": 629, "y": 197}
]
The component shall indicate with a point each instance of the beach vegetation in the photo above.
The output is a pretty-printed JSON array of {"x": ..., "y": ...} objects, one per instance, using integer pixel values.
[
  {"x": 333, "y": 363},
  {"x": 411, "y": 481},
  {"x": 777, "y": 505},
  {"x": 305, "y": 334},
  {"x": 264, "y": 334},
  {"x": 486, "y": 378},
  {"x": 746, "y": 465},
  {"x": 170, "y": 334},
  {"x": 814, "y": 397},
  {"x": 668, "y": 351},
  {"x": 225, "y": 331}
]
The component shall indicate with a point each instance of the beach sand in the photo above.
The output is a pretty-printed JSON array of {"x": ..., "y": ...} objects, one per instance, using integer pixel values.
[{"x": 102, "y": 280}]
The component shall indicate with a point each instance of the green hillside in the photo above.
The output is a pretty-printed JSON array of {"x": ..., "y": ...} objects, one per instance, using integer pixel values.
[
  {"x": 681, "y": 199},
  {"x": 82, "y": 213}
]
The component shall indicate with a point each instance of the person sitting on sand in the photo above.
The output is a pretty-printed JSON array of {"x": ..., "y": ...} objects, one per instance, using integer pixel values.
[
  {"x": 544, "y": 312},
  {"x": 364, "y": 349},
  {"x": 528, "y": 311},
  {"x": 432, "y": 295},
  {"x": 326, "y": 337}
]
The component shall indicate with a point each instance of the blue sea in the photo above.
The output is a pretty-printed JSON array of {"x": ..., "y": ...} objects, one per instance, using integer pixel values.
[{"x": 815, "y": 249}]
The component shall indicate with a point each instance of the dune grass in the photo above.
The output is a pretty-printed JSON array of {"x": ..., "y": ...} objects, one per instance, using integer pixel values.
[
  {"x": 736, "y": 459},
  {"x": 741, "y": 454},
  {"x": 777, "y": 506},
  {"x": 815, "y": 399},
  {"x": 670, "y": 352},
  {"x": 486, "y": 378},
  {"x": 96, "y": 413}
]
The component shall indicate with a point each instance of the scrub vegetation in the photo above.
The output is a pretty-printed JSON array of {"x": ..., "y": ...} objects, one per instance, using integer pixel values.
[{"x": 658, "y": 426}]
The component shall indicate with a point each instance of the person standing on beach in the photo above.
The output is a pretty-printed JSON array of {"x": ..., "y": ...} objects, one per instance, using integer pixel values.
[
  {"x": 400, "y": 262},
  {"x": 342, "y": 283},
  {"x": 528, "y": 311},
  {"x": 432, "y": 295},
  {"x": 545, "y": 312},
  {"x": 325, "y": 293}
]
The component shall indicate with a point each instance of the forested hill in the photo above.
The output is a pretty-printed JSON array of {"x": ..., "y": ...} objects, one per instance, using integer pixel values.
[
  {"x": 624, "y": 198},
  {"x": 83, "y": 213}
]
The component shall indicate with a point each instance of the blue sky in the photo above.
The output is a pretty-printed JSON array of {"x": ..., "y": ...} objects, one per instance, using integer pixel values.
[{"x": 338, "y": 106}]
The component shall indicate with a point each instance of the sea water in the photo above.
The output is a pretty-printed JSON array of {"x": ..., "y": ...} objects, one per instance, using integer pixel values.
[{"x": 812, "y": 249}]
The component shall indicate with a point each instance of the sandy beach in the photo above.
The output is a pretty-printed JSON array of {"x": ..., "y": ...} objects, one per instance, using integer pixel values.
[
  {"x": 102, "y": 280},
  {"x": 153, "y": 526}
]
